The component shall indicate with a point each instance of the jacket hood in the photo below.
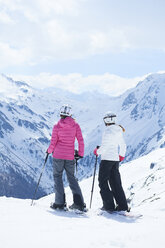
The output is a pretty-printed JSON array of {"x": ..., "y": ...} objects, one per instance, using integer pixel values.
[{"x": 68, "y": 121}]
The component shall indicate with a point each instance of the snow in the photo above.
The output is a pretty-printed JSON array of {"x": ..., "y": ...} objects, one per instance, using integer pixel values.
[{"x": 23, "y": 225}]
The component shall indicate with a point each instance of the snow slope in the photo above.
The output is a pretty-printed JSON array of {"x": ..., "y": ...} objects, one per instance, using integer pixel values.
[{"x": 27, "y": 226}]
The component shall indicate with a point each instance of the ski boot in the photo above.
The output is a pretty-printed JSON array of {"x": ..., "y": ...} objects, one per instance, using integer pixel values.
[
  {"x": 81, "y": 208},
  {"x": 118, "y": 208},
  {"x": 58, "y": 206}
]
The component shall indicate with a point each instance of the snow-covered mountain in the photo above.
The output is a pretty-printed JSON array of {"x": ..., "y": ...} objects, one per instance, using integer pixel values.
[
  {"x": 141, "y": 111},
  {"x": 143, "y": 181},
  {"x": 27, "y": 116}
]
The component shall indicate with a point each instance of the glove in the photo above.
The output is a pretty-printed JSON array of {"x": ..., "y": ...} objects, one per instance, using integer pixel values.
[
  {"x": 76, "y": 155},
  {"x": 95, "y": 151},
  {"x": 48, "y": 151},
  {"x": 121, "y": 158}
]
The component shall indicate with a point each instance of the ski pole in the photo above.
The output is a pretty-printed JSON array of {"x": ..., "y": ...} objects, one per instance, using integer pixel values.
[
  {"x": 76, "y": 167},
  {"x": 76, "y": 158},
  {"x": 93, "y": 182},
  {"x": 39, "y": 178}
]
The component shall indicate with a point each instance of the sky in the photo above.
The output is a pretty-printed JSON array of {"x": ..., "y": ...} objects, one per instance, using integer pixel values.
[{"x": 99, "y": 39}]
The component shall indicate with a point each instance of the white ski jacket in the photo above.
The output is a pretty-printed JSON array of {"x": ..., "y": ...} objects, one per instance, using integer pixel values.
[{"x": 112, "y": 144}]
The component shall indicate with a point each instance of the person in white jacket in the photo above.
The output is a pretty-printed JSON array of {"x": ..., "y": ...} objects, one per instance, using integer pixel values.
[{"x": 112, "y": 151}]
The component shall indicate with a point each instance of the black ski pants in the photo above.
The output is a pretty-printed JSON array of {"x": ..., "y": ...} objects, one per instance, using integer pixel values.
[{"x": 111, "y": 186}]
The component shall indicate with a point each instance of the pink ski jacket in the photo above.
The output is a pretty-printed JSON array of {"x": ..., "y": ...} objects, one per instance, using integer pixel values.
[{"x": 63, "y": 139}]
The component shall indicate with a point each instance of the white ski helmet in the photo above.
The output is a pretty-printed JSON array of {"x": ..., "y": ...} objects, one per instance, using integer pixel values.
[
  {"x": 109, "y": 117},
  {"x": 66, "y": 110}
]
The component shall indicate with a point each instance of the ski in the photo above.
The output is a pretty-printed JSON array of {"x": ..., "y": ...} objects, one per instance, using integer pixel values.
[
  {"x": 65, "y": 209},
  {"x": 121, "y": 213},
  {"x": 77, "y": 211},
  {"x": 129, "y": 214}
]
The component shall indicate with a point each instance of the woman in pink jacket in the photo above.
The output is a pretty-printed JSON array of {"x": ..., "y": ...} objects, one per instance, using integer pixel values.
[{"x": 62, "y": 147}]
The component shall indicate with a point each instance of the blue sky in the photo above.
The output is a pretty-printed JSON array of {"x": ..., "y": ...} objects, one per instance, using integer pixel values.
[{"x": 125, "y": 38}]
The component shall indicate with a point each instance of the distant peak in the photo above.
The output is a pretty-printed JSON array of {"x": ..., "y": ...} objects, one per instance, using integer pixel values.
[{"x": 17, "y": 83}]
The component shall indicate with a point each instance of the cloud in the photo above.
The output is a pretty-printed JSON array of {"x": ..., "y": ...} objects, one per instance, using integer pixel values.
[
  {"x": 5, "y": 18},
  {"x": 59, "y": 30},
  {"x": 13, "y": 56},
  {"x": 113, "y": 40},
  {"x": 42, "y": 9},
  {"x": 59, "y": 7},
  {"x": 76, "y": 83},
  {"x": 54, "y": 30}
]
